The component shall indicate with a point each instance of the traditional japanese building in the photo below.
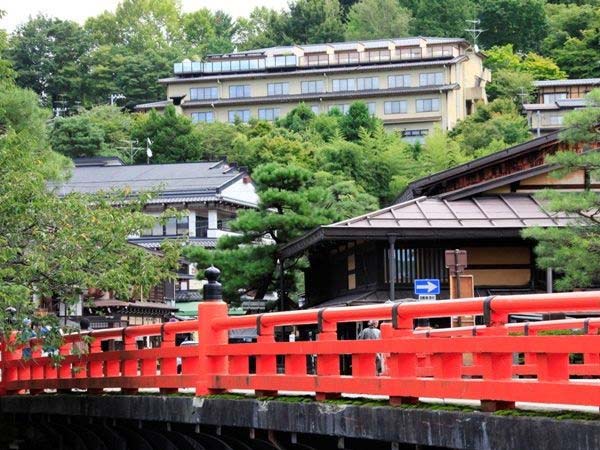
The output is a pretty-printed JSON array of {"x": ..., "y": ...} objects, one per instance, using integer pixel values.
[
  {"x": 211, "y": 194},
  {"x": 481, "y": 207},
  {"x": 555, "y": 98}
]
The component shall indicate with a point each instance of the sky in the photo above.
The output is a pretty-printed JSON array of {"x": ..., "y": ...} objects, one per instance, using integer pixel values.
[{"x": 18, "y": 11}]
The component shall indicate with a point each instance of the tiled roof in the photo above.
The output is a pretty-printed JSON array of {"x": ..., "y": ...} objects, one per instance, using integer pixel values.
[
  {"x": 582, "y": 81},
  {"x": 201, "y": 180},
  {"x": 497, "y": 211},
  {"x": 154, "y": 242},
  {"x": 157, "y": 104}
]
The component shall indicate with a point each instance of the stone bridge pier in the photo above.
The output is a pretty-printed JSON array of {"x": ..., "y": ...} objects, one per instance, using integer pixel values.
[{"x": 164, "y": 422}]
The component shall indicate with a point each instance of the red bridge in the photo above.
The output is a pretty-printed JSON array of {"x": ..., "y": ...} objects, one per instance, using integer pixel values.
[{"x": 498, "y": 363}]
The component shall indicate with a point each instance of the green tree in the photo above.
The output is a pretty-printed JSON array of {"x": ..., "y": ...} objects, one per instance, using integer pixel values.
[
  {"x": 7, "y": 74},
  {"x": 115, "y": 69},
  {"x": 58, "y": 246},
  {"x": 440, "y": 153},
  {"x": 46, "y": 54},
  {"x": 261, "y": 30},
  {"x": 298, "y": 119},
  {"x": 513, "y": 85},
  {"x": 207, "y": 32},
  {"x": 522, "y": 23},
  {"x": 373, "y": 19},
  {"x": 574, "y": 251},
  {"x": 314, "y": 21},
  {"x": 492, "y": 126},
  {"x": 100, "y": 131},
  {"x": 76, "y": 137},
  {"x": 290, "y": 204},
  {"x": 139, "y": 25},
  {"x": 356, "y": 119},
  {"x": 439, "y": 17},
  {"x": 539, "y": 67},
  {"x": 573, "y": 38},
  {"x": 174, "y": 138}
]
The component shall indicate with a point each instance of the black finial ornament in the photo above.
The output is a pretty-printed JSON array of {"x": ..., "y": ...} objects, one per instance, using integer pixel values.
[{"x": 213, "y": 291}]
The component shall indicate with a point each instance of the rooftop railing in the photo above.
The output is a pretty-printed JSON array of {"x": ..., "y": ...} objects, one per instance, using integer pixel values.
[{"x": 498, "y": 363}]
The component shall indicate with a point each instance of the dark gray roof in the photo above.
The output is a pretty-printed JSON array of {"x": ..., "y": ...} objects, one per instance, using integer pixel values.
[
  {"x": 152, "y": 243},
  {"x": 426, "y": 218},
  {"x": 170, "y": 180},
  {"x": 98, "y": 161},
  {"x": 493, "y": 211},
  {"x": 417, "y": 187},
  {"x": 576, "y": 82}
]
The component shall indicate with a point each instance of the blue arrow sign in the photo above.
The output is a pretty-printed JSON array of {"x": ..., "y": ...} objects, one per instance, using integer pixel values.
[{"x": 427, "y": 286}]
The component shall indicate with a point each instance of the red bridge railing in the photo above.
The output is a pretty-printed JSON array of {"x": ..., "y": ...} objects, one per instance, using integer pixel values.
[{"x": 498, "y": 363}]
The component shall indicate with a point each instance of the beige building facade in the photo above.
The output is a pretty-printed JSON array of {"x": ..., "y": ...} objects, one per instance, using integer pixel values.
[{"x": 412, "y": 84}]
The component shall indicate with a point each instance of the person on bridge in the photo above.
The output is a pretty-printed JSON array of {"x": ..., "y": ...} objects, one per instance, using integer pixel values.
[{"x": 372, "y": 332}]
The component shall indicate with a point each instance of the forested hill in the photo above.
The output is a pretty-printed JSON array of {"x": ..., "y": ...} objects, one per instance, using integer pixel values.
[
  {"x": 128, "y": 50},
  {"x": 74, "y": 70}
]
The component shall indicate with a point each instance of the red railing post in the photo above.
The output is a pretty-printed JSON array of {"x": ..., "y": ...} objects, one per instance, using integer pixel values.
[
  {"x": 400, "y": 365},
  {"x": 213, "y": 307},
  {"x": 328, "y": 364},
  {"x": 129, "y": 367},
  {"x": 96, "y": 367}
]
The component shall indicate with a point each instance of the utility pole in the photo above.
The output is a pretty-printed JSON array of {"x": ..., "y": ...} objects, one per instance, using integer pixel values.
[
  {"x": 114, "y": 97},
  {"x": 131, "y": 149},
  {"x": 474, "y": 31}
]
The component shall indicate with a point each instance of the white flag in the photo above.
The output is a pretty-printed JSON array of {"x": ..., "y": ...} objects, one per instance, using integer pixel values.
[{"x": 149, "y": 152}]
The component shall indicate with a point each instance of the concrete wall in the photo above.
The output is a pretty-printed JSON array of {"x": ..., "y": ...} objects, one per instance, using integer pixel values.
[{"x": 448, "y": 429}]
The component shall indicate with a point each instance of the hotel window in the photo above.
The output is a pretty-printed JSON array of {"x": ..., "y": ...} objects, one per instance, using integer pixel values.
[
  {"x": 344, "y": 84},
  {"x": 551, "y": 98},
  {"x": 431, "y": 79},
  {"x": 278, "y": 88},
  {"x": 268, "y": 113},
  {"x": 377, "y": 55},
  {"x": 398, "y": 81},
  {"x": 414, "y": 133},
  {"x": 346, "y": 57},
  {"x": 342, "y": 108},
  {"x": 238, "y": 91},
  {"x": 206, "y": 93},
  {"x": 428, "y": 105},
  {"x": 367, "y": 83},
  {"x": 371, "y": 106},
  {"x": 395, "y": 107},
  {"x": 312, "y": 87},
  {"x": 203, "y": 117},
  {"x": 410, "y": 53},
  {"x": 317, "y": 60},
  {"x": 242, "y": 114},
  {"x": 315, "y": 108}
]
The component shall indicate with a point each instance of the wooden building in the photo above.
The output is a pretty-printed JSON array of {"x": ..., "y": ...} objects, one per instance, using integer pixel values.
[{"x": 481, "y": 206}]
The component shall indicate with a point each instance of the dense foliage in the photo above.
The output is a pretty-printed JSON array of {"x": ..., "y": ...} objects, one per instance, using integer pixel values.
[
  {"x": 573, "y": 251},
  {"x": 55, "y": 247},
  {"x": 127, "y": 50}
]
